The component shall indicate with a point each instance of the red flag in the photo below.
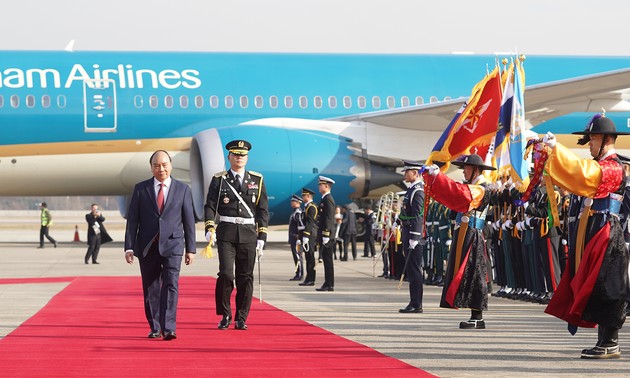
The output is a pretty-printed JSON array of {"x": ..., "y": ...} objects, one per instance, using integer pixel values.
[{"x": 477, "y": 124}]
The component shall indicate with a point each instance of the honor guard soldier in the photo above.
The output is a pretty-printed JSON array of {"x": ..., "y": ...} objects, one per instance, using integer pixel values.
[
  {"x": 466, "y": 284},
  {"x": 237, "y": 216},
  {"x": 326, "y": 235},
  {"x": 592, "y": 291},
  {"x": 296, "y": 225},
  {"x": 309, "y": 235},
  {"x": 412, "y": 218}
]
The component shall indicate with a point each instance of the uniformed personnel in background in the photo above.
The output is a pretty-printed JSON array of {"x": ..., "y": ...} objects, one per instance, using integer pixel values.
[
  {"x": 237, "y": 215},
  {"x": 309, "y": 236},
  {"x": 326, "y": 234},
  {"x": 412, "y": 218},
  {"x": 296, "y": 225}
]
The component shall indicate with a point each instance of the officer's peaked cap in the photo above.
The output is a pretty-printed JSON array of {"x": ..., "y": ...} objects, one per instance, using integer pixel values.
[{"x": 238, "y": 147}]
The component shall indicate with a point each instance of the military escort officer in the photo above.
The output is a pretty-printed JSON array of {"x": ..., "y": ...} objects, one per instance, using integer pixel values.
[{"x": 236, "y": 214}]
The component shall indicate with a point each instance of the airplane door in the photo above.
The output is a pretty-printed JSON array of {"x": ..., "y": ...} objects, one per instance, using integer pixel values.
[{"x": 99, "y": 105}]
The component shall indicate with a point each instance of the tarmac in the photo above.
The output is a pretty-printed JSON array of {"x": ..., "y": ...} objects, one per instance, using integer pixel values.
[{"x": 520, "y": 339}]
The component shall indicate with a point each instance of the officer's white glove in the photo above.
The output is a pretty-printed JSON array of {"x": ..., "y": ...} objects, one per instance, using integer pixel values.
[
  {"x": 259, "y": 247},
  {"x": 325, "y": 240},
  {"x": 494, "y": 226},
  {"x": 413, "y": 244},
  {"x": 519, "y": 226},
  {"x": 298, "y": 243},
  {"x": 305, "y": 244},
  {"x": 211, "y": 237},
  {"x": 430, "y": 239},
  {"x": 448, "y": 242},
  {"x": 507, "y": 225},
  {"x": 564, "y": 242},
  {"x": 433, "y": 170},
  {"x": 549, "y": 139},
  {"x": 527, "y": 221}
]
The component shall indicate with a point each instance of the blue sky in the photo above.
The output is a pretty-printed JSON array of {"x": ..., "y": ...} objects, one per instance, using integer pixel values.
[{"x": 393, "y": 26}]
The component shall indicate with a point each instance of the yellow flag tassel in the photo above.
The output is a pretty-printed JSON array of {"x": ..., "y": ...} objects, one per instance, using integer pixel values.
[{"x": 207, "y": 252}]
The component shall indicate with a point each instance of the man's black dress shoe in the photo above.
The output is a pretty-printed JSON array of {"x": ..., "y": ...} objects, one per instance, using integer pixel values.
[
  {"x": 240, "y": 324},
  {"x": 95, "y": 262},
  {"x": 225, "y": 322},
  {"x": 325, "y": 288},
  {"x": 86, "y": 262},
  {"x": 411, "y": 310},
  {"x": 295, "y": 278},
  {"x": 154, "y": 334},
  {"x": 310, "y": 283},
  {"x": 170, "y": 335}
]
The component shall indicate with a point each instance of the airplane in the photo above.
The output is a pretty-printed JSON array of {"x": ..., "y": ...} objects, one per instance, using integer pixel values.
[{"x": 85, "y": 123}]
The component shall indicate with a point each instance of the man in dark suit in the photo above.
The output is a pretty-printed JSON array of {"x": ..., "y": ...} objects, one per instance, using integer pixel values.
[
  {"x": 160, "y": 225},
  {"x": 237, "y": 207},
  {"x": 309, "y": 236},
  {"x": 97, "y": 234},
  {"x": 349, "y": 235},
  {"x": 326, "y": 235}
]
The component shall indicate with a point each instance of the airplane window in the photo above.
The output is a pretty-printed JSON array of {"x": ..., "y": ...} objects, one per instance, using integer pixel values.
[
  {"x": 258, "y": 102},
  {"x": 153, "y": 101},
  {"x": 15, "y": 101},
  {"x": 214, "y": 102},
  {"x": 138, "y": 101},
  {"x": 199, "y": 102},
  {"x": 273, "y": 101},
  {"x": 391, "y": 102},
  {"x": 45, "y": 101},
  {"x": 229, "y": 102},
  {"x": 419, "y": 100},
  {"x": 376, "y": 102},
  {"x": 404, "y": 101},
  {"x": 61, "y": 101},
  {"x": 347, "y": 102},
  {"x": 317, "y": 101},
  {"x": 332, "y": 102},
  {"x": 168, "y": 101},
  {"x": 361, "y": 102},
  {"x": 288, "y": 102},
  {"x": 1, "y": 101},
  {"x": 244, "y": 102},
  {"x": 30, "y": 101},
  {"x": 183, "y": 101},
  {"x": 433, "y": 99},
  {"x": 303, "y": 102}
]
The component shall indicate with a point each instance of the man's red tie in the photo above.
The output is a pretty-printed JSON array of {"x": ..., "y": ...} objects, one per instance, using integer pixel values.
[{"x": 160, "y": 197}]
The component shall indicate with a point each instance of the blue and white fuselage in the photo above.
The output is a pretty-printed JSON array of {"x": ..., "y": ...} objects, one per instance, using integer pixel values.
[{"x": 85, "y": 123}]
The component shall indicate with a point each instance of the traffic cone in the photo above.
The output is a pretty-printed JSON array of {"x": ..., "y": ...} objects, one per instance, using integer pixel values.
[{"x": 76, "y": 234}]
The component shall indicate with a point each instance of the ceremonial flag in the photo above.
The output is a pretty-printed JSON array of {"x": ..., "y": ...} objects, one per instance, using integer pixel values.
[
  {"x": 518, "y": 139},
  {"x": 475, "y": 124},
  {"x": 501, "y": 150}
]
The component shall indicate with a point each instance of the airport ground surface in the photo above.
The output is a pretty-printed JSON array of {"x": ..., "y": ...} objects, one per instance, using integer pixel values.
[{"x": 520, "y": 340}]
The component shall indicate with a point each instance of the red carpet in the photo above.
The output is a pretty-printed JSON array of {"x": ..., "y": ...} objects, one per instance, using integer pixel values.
[{"x": 95, "y": 327}]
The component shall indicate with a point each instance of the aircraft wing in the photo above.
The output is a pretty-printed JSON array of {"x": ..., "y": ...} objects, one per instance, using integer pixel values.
[{"x": 609, "y": 90}]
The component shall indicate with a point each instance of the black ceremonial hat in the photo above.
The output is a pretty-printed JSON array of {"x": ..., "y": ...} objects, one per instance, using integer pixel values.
[
  {"x": 238, "y": 147},
  {"x": 474, "y": 160},
  {"x": 307, "y": 191},
  {"x": 599, "y": 124},
  {"x": 296, "y": 198}
]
